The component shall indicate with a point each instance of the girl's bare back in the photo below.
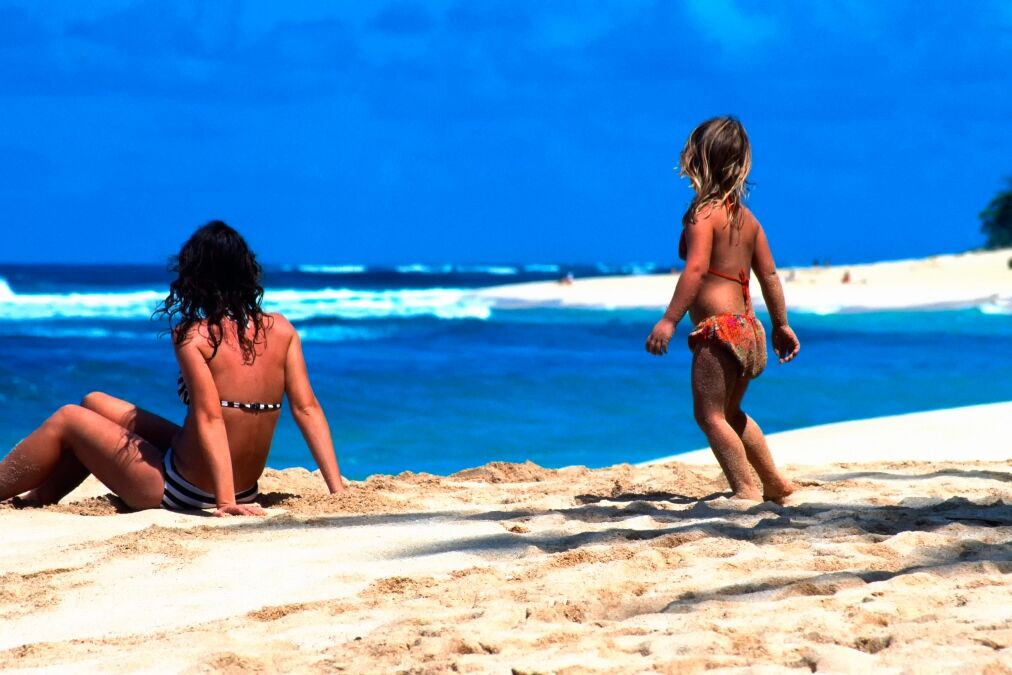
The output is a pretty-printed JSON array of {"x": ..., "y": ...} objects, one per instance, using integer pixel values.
[{"x": 731, "y": 253}]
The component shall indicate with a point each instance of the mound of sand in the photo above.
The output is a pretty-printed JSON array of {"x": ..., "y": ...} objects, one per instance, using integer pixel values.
[{"x": 881, "y": 567}]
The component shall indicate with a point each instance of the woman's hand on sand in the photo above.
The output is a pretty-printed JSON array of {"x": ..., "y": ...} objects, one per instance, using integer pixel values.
[
  {"x": 239, "y": 510},
  {"x": 660, "y": 336},
  {"x": 785, "y": 343}
]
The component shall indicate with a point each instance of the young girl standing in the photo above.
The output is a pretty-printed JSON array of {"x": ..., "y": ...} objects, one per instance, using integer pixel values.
[{"x": 721, "y": 241}]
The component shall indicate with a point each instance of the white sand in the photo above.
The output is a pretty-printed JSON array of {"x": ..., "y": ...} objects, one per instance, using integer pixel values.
[
  {"x": 966, "y": 280},
  {"x": 913, "y": 437},
  {"x": 880, "y": 566}
]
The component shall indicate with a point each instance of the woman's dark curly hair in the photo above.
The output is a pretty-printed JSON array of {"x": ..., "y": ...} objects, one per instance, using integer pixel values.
[{"x": 218, "y": 278}]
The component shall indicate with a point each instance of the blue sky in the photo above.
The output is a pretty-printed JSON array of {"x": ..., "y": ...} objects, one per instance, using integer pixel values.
[{"x": 515, "y": 131}]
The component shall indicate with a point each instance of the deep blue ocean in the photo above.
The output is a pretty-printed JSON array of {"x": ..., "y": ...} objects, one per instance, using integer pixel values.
[{"x": 415, "y": 373}]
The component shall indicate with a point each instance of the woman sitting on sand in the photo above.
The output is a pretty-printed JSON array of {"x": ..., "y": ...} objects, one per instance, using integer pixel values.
[
  {"x": 722, "y": 240},
  {"x": 235, "y": 362}
]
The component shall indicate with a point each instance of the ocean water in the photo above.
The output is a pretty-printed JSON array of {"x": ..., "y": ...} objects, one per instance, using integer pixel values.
[{"x": 415, "y": 373}]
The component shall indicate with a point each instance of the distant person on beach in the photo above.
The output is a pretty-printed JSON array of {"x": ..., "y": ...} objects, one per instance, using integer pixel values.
[
  {"x": 721, "y": 240},
  {"x": 235, "y": 362}
]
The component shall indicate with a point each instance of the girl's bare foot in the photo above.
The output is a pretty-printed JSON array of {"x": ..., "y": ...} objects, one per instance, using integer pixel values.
[
  {"x": 778, "y": 492},
  {"x": 751, "y": 494}
]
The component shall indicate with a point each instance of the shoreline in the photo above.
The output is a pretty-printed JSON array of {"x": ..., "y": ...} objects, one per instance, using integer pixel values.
[
  {"x": 977, "y": 279},
  {"x": 937, "y": 435},
  {"x": 941, "y": 435}
]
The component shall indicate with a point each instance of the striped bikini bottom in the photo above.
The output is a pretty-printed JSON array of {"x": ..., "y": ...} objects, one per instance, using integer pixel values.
[{"x": 182, "y": 495}]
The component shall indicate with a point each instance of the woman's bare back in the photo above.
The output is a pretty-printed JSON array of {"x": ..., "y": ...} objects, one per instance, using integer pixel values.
[{"x": 249, "y": 433}]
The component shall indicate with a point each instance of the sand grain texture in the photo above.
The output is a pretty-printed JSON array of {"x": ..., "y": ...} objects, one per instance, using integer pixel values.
[{"x": 874, "y": 567}]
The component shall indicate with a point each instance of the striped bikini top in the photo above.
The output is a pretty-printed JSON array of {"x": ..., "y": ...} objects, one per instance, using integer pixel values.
[{"x": 184, "y": 396}]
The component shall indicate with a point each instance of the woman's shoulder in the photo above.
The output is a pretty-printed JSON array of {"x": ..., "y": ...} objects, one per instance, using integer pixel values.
[
  {"x": 276, "y": 322},
  {"x": 184, "y": 332}
]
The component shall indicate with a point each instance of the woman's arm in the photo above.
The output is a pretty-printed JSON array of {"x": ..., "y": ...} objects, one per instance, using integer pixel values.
[
  {"x": 699, "y": 243},
  {"x": 309, "y": 415},
  {"x": 785, "y": 342},
  {"x": 205, "y": 407}
]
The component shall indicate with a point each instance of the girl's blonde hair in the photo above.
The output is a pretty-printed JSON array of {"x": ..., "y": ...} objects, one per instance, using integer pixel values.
[{"x": 717, "y": 159}]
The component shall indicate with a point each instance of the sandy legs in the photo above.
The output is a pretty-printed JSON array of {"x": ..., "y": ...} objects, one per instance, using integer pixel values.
[
  {"x": 104, "y": 436},
  {"x": 735, "y": 438}
]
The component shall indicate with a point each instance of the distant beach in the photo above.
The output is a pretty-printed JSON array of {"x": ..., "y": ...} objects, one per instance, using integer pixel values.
[{"x": 981, "y": 280}]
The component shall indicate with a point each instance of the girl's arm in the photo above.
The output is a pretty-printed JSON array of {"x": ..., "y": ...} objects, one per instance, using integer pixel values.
[
  {"x": 205, "y": 406},
  {"x": 309, "y": 415},
  {"x": 699, "y": 243},
  {"x": 785, "y": 342}
]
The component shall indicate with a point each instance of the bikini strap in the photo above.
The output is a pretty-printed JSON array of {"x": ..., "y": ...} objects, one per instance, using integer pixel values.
[
  {"x": 184, "y": 396},
  {"x": 742, "y": 279},
  {"x": 725, "y": 276}
]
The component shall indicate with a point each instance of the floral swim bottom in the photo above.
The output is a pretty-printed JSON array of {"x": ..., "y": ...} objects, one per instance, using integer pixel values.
[{"x": 740, "y": 334}]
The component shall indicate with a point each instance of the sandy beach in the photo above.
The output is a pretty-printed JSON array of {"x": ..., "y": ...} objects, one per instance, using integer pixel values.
[
  {"x": 980, "y": 279},
  {"x": 894, "y": 564}
]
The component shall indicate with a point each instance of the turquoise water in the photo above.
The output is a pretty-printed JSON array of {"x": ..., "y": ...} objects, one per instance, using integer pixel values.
[{"x": 419, "y": 376}]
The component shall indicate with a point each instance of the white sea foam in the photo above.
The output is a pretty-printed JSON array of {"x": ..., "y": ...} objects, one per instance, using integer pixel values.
[
  {"x": 498, "y": 270},
  {"x": 34, "y": 306},
  {"x": 295, "y": 304},
  {"x": 424, "y": 269},
  {"x": 817, "y": 310},
  {"x": 635, "y": 269},
  {"x": 538, "y": 268},
  {"x": 341, "y": 333},
  {"x": 332, "y": 269},
  {"x": 997, "y": 306},
  {"x": 442, "y": 303}
]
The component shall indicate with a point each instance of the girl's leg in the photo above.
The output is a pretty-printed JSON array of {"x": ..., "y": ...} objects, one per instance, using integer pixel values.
[
  {"x": 126, "y": 463},
  {"x": 153, "y": 428},
  {"x": 714, "y": 377},
  {"x": 775, "y": 486}
]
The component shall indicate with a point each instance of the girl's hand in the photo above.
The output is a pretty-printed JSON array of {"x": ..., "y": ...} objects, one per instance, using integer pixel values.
[
  {"x": 785, "y": 343},
  {"x": 239, "y": 510},
  {"x": 660, "y": 336}
]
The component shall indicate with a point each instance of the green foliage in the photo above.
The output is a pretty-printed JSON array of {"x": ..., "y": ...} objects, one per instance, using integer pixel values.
[{"x": 996, "y": 219}]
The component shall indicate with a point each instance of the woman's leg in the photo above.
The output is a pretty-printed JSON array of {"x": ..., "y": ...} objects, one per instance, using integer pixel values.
[
  {"x": 153, "y": 428},
  {"x": 126, "y": 463},
  {"x": 775, "y": 486},
  {"x": 69, "y": 472},
  {"x": 714, "y": 378},
  {"x": 65, "y": 476}
]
